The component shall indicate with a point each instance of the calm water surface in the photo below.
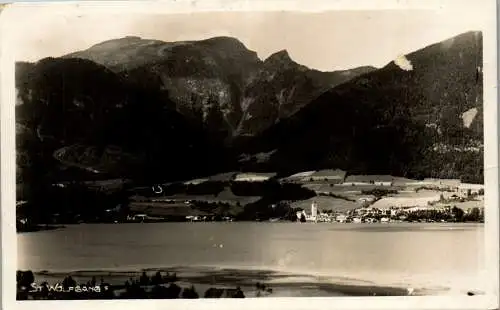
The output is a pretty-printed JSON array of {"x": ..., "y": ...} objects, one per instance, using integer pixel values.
[{"x": 437, "y": 254}]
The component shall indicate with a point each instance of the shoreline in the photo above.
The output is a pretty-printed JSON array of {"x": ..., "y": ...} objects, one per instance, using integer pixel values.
[
  {"x": 43, "y": 227},
  {"x": 285, "y": 283},
  {"x": 281, "y": 284}
]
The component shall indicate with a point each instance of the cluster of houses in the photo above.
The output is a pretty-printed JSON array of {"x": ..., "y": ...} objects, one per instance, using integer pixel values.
[
  {"x": 410, "y": 196},
  {"x": 372, "y": 215}
]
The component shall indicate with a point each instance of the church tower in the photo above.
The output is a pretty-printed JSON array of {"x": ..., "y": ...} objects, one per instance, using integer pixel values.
[{"x": 314, "y": 211}]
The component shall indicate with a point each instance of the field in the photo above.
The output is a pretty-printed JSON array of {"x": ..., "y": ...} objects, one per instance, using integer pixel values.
[
  {"x": 327, "y": 204},
  {"x": 329, "y": 196}
]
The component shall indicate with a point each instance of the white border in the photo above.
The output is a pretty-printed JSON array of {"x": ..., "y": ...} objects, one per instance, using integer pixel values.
[{"x": 7, "y": 143}]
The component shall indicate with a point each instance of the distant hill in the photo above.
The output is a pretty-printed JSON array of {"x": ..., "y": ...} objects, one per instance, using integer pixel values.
[
  {"x": 96, "y": 120},
  {"x": 404, "y": 119},
  {"x": 281, "y": 88}
]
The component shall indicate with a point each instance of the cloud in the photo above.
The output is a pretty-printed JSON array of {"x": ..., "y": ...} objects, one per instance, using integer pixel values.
[{"x": 403, "y": 63}]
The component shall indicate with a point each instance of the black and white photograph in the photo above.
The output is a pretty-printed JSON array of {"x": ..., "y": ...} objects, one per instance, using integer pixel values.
[{"x": 250, "y": 154}]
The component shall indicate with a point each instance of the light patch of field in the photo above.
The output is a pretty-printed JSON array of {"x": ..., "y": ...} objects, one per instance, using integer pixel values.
[
  {"x": 463, "y": 205},
  {"x": 343, "y": 189},
  {"x": 318, "y": 175},
  {"x": 299, "y": 175},
  {"x": 443, "y": 183},
  {"x": 471, "y": 186},
  {"x": 364, "y": 178},
  {"x": 223, "y": 177},
  {"x": 196, "y": 181},
  {"x": 421, "y": 194},
  {"x": 254, "y": 177},
  {"x": 420, "y": 199},
  {"x": 327, "y": 203},
  {"x": 359, "y": 198},
  {"x": 330, "y": 173}
]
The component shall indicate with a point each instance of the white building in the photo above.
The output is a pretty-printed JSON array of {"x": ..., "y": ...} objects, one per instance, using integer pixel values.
[
  {"x": 467, "y": 189},
  {"x": 341, "y": 218},
  {"x": 314, "y": 209},
  {"x": 415, "y": 209},
  {"x": 313, "y": 217}
]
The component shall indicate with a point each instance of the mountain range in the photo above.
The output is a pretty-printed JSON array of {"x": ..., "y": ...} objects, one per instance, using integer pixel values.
[{"x": 154, "y": 110}]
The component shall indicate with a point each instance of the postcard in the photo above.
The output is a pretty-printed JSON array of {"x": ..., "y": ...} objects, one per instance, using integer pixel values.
[{"x": 252, "y": 154}]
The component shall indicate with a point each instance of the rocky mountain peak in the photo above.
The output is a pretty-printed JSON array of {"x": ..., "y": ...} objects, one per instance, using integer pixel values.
[{"x": 280, "y": 58}]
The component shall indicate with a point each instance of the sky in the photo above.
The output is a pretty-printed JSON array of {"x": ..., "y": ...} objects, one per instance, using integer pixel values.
[{"x": 329, "y": 40}]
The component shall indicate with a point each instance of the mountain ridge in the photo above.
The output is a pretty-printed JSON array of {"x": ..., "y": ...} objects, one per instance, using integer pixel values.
[
  {"x": 223, "y": 69},
  {"x": 212, "y": 102},
  {"x": 359, "y": 124}
]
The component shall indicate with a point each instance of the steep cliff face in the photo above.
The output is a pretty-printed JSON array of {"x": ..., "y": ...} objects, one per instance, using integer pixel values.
[
  {"x": 204, "y": 79},
  {"x": 281, "y": 88},
  {"x": 218, "y": 82}
]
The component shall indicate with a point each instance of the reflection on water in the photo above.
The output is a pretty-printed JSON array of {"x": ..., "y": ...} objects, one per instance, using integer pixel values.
[{"x": 437, "y": 254}]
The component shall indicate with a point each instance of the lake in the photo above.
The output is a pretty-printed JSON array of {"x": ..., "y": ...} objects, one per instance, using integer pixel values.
[{"x": 444, "y": 257}]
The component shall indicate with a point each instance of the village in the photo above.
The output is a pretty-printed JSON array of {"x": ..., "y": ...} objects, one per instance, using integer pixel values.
[
  {"x": 392, "y": 214},
  {"x": 382, "y": 198},
  {"x": 323, "y": 196},
  {"x": 343, "y": 198}
]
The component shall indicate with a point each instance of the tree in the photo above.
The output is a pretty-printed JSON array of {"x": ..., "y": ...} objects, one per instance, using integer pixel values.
[
  {"x": 144, "y": 279},
  {"x": 25, "y": 278},
  {"x": 157, "y": 279},
  {"x": 190, "y": 293},
  {"x": 173, "y": 291},
  {"x": 458, "y": 214},
  {"x": 302, "y": 218},
  {"x": 475, "y": 215},
  {"x": 239, "y": 293}
]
